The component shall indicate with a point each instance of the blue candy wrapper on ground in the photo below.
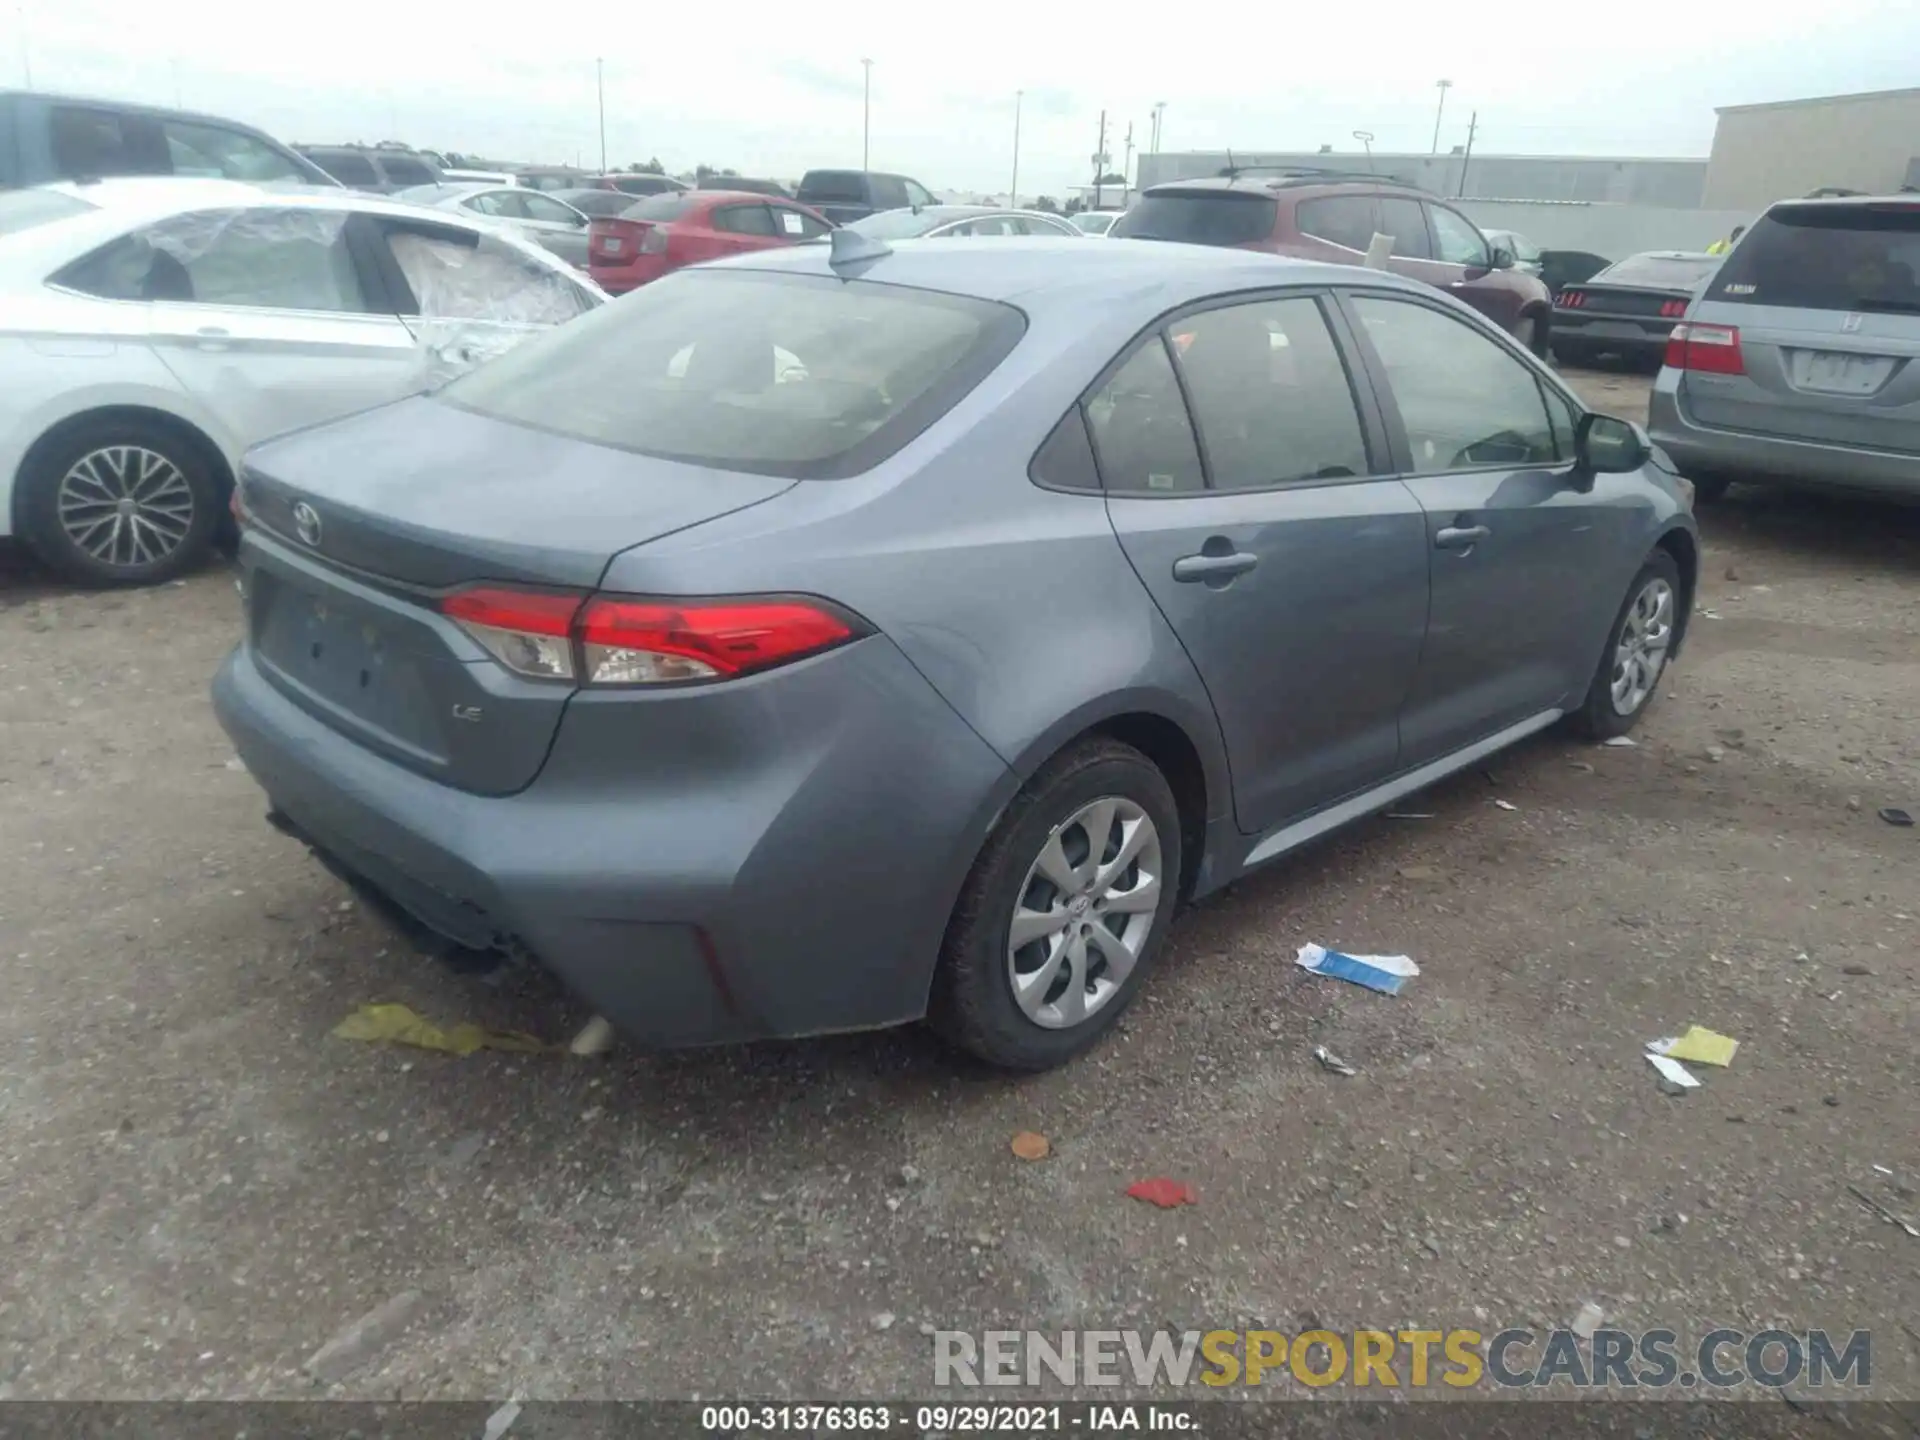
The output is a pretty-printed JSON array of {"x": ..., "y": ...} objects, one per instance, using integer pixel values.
[{"x": 1385, "y": 973}]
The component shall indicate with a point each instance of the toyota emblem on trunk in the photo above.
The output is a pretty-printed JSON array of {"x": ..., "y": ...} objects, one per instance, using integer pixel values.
[{"x": 306, "y": 523}]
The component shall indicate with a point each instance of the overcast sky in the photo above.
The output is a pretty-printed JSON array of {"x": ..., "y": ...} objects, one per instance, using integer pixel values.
[{"x": 772, "y": 87}]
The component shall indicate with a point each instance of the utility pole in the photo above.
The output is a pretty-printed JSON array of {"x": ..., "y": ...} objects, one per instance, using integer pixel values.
[
  {"x": 1013, "y": 190},
  {"x": 866, "y": 114},
  {"x": 1126, "y": 168},
  {"x": 1099, "y": 159},
  {"x": 600, "y": 85},
  {"x": 1445, "y": 85},
  {"x": 1159, "y": 109},
  {"x": 26, "y": 59},
  {"x": 1467, "y": 159}
]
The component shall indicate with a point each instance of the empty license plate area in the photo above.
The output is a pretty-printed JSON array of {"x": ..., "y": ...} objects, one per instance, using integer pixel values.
[{"x": 1830, "y": 372}]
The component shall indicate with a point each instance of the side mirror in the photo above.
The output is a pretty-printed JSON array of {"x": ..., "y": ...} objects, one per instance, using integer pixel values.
[
  {"x": 1502, "y": 258},
  {"x": 1608, "y": 445}
]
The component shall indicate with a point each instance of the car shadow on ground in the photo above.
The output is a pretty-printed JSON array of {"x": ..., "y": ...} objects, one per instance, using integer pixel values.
[{"x": 1870, "y": 530}]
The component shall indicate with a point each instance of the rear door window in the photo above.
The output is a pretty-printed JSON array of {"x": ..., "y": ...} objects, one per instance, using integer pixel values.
[
  {"x": 1828, "y": 257},
  {"x": 91, "y": 143},
  {"x": 1348, "y": 220},
  {"x": 797, "y": 224},
  {"x": 1142, "y": 433},
  {"x": 1200, "y": 217},
  {"x": 792, "y": 375},
  {"x": 1270, "y": 395}
]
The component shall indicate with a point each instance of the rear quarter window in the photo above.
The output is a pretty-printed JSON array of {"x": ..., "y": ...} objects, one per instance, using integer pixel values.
[
  {"x": 1827, "y": 257},
  {"x": 1199, "y": 217},
  {"x": 790, "y": 375}
]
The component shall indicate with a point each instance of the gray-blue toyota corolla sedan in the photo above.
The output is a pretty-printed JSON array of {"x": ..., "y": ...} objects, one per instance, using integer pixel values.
[{"x": 845, "y": 635}]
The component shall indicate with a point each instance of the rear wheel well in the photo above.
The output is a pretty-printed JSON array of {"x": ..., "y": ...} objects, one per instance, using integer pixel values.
[
  {"x": 1686, "y": 555},
  {"x": 187, "y": 432},
  {"x": 1173, "y": 754}
]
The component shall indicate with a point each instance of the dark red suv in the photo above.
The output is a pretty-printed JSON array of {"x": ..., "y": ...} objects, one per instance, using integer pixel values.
[{"x": 1319, "y": 216}]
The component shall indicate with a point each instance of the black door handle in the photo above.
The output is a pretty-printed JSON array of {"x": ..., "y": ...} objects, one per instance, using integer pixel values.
[
  {"x": 1460, "y": 537},
  {"x": 1213, "y": 569}
]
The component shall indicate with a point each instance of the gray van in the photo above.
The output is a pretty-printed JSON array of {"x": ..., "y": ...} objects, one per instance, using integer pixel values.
[{"x": 1800, "y": 361}]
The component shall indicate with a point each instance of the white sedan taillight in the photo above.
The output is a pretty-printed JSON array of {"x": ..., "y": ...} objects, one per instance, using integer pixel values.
[{"x": 620, "y": 640}]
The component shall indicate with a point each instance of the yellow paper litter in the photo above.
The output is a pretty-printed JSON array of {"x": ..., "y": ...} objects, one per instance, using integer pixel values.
[
  {"x": 1703, "y": 1047},
  {"x": 400, "y": 1025}
]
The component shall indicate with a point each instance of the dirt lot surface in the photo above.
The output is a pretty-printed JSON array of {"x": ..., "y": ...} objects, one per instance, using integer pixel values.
[{"x": 203, "y": 1186}]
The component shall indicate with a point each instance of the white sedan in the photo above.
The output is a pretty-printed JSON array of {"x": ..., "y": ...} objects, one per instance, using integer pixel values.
[{"x": 152, "y": 329}]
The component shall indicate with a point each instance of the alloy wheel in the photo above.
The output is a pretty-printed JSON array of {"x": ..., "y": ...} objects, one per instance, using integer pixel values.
[
  {"x": 125, "y": 505},
  {"x": 1084, "y": 912},
  {"x": 1640, "y": 654}
]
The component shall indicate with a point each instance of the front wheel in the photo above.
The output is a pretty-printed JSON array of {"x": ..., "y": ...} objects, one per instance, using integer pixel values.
[
  {"x": 1637, "y": 650},
  {"x": 1064, "y": 912}
]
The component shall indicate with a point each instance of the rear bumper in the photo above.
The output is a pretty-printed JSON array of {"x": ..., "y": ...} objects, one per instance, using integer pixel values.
[
  {"x": 697, "y": 902},
  {"x": 619, "y": 279},
  {"x": 1615, "y": 335},
  {"x": 1740, "y": 455}
]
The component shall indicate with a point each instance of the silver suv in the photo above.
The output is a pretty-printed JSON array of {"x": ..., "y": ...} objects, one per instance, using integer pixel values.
[{"x": 1800, "y": 361}]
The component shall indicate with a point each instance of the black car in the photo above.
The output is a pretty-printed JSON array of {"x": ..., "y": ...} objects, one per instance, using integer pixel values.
[
  {"x": 45, "y": 138},
  {"x": 1628, "y": 309},
  {"x": 844, "y": 196},
  {"x": 742, "y": 182}
]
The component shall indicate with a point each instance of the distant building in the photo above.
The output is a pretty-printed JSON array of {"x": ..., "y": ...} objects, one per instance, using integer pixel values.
[
  {"x": 1615, "y": 180},
  {"x": 1763, "y": 153}
]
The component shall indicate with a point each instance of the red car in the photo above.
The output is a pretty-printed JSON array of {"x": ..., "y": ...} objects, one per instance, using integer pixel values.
[
  {"x": 664, "y": 232},
  {"x": 1322, "y": 215}
]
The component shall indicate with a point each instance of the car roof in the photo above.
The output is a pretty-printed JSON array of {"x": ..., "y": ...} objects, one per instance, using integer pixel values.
[
  {"x": 1244, "y": 184},
  {"x": 1063, "y": 269},
  {"x": 140, "y": 107}
]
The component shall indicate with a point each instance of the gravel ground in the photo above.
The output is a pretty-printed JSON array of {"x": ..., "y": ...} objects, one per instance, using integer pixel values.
[{"x": 203, "y": 1186}]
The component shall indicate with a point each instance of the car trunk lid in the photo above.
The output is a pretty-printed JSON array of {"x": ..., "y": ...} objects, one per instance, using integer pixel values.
[{"x": 359, "y": 530}]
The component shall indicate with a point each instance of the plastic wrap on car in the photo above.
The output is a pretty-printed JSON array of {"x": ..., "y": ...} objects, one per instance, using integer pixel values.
[{"x": 479, "y": 301}]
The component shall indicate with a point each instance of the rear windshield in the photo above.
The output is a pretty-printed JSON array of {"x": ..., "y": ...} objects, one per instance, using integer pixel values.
[
  {"x": 659, "y": 208},
  {"x": 848, "y": 185},
  {"x": 347, "y": 167},
  {"x": 1660, "y": 272},
  {"x": 899, "y": 224},
  {"x": 792, "y": 375},
  {"x": 1200, "y": 217},
  {"x": 1828, "y": 257},
  {"x": 24, "y": 209}
]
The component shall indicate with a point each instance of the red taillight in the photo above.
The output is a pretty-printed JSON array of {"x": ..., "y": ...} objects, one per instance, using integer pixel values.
[
  {"x": 1706, "y": 349},
  {"x": 613, "y": 640},
  {"x": 1572, "y": 299},
  {"x": 529, "y": 632},
  {"x": 1672, "y": 309},
  {"x": 652, "y": 642}
]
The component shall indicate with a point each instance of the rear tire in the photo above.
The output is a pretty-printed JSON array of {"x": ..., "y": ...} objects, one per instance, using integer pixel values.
[
  {"x": 1093, "y": 909},
  {"x": 119, "y": 502},
  {"x": 1636, "y": 655},
  {"x": 1707, "y": 489}
]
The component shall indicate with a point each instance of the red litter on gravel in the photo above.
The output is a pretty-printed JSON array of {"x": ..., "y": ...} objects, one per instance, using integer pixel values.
[{"x": 1163, "y": 1192}]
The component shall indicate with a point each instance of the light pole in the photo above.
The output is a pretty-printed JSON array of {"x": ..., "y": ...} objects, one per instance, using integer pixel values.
[
  {"x": 1013, "y": 190},
  {"x": 1365, "y": 137},
  {"x": 600, "y": 87},
  {"x": 866, "y": 114},
  {"x": 26, "y": 59},
  {"x": 1445, "y": 85},
  {"x": 1159, "y": 109}
]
